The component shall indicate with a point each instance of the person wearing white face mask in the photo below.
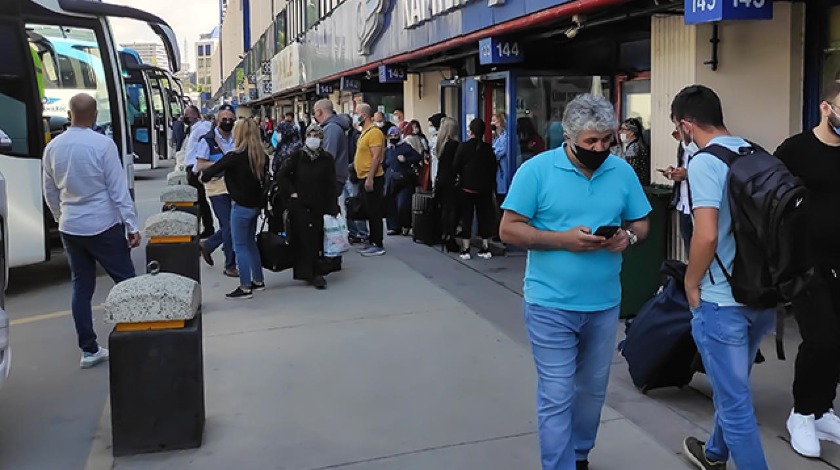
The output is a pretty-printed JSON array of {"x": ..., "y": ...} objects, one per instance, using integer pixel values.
[
  {"x": 679, "y": 175},
  {"x": 634, "y": 149},
  {"x": 307, "y": 179}
]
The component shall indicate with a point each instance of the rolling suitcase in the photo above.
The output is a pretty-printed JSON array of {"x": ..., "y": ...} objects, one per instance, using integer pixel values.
[{"x": 425, "y": 221}]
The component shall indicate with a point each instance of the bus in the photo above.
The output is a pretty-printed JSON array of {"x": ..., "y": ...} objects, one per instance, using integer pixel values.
[{"x": 25, "y": 114}]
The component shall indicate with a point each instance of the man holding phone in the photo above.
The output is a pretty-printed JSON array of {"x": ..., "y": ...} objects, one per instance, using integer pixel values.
[{"x": 567, "y": 207}]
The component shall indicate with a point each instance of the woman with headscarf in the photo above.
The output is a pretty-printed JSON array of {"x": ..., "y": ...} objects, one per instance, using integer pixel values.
[
  {"x": 286, "y": 141},
  {"x": 402, "y": 157},
  {"x": 634, "y": 149},
  {"x": 245, "y": 170},
  {"x": 307, "y": 179}
]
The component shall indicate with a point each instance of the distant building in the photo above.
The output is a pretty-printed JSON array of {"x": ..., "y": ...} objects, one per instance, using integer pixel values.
[
  {"x": 150, "y": 53},
  {"x": 204, "y": 51}
]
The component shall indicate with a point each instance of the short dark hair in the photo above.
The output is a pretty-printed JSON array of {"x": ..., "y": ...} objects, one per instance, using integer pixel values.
[
  {"x": 477, "y": 127},
  {"x": 699, "y": 104},
  {"x": 831, "y": 91},
  {"x": 399, "y": 110},
  {"x": 291, "y": 115}
]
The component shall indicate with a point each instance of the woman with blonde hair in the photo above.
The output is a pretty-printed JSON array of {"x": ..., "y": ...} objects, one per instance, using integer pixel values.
[
  {"x": 245, "y": 170},
  {"x": 445, "y": 193}
]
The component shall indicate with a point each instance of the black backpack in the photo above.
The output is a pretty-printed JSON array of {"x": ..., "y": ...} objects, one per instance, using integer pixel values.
[{"x": 768, "y": 206}]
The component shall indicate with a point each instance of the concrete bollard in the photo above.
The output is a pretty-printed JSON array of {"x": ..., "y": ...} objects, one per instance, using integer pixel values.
[
  {"x": 173, "y": 243},
  {"x": 156, "y": 364},
  {"x": 181, "y": 197},
  {"x": 176, "y": 177}
]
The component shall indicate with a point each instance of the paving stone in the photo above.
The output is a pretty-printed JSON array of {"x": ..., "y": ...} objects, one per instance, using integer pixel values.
[
  {"x": 176, "y": 177},
  {"x": 179, "y": 193},
  {"x": 171, "y": 224},
  {"x": 153, "y": 297}
]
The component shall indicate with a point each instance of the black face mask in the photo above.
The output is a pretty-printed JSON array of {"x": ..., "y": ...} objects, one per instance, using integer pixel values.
[
  {"x": 187, "y": 121},
  {"x": 226, "y": 126},
  {"x": 591, "y": 159},
  {"x": 394, "y": 141},
  {"x": 493, "y": 127}
]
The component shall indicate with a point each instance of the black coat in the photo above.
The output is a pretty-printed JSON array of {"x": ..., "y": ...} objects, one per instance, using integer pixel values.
[
  {"x": 312, "y": 180},
  {"x": 475, "y": 166},
  {"x": 445, "y": 183}
]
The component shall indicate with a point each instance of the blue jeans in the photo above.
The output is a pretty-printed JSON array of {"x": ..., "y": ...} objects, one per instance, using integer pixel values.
[
  {"x": 221, "y": 206},
  {"x": 572, "y": 352},
  {"x": 398, "y": 208},
  {"x": 243, "y": 222},
  {"x": 357, "y": 228},
  {"x": 110, "y": 249},
  {"x": 728, "y": 339}
]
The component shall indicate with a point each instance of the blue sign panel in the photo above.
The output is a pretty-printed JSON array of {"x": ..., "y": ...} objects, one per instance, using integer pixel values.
[
  {"x": 499, "y": 51},
  {"x": 391, "y": 74},
  {"x": 705, "y": 11},
  {"x": 351, "y": 84},
  {"x": 324, "y": 88}
]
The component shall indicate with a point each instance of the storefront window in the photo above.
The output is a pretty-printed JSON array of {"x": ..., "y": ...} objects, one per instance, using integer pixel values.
[{"x": 540, "y": 103}]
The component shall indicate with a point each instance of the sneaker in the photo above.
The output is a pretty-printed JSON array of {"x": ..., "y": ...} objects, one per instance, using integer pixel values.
[
  {"x": 828, "y": 427},
  {"x": 257, "y": 286},
  {"x": 485, "y": 254},
  {"x": 231, "y": 272},
  {"x": 582, "y": 465},
  {"x": 373, "y": 250},
  {"x": 695, "y": 450},
  {"x": 364, "y": 247},
  {"x": 239, "y": 293},
  {"x": 406, "y": 232},
  {"x": 803, "y": 434},
  {"x": 91, "y": 359},
  {"x": 356, "y": 240},
  {"x": 465, "y": 255},
  {"x": 391, "y": 233},
  {"x": 208, "y": 258}
]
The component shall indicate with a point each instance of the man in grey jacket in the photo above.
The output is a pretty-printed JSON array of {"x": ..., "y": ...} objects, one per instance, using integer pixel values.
[{"x": 337, "y": 143}]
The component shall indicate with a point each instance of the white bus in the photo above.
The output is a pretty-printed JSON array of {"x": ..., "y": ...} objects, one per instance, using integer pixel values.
[{"x": 25, "y": 76}]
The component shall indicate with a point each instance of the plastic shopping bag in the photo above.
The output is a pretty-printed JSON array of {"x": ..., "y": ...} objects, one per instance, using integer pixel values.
[{"x": 335, "y": 236}]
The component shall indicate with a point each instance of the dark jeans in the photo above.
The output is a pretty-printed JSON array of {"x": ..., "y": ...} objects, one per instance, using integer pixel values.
[
  {"x": 222, "y": 206},
  {"x": 686, "y": 230},
  {"x": 375, "y": 207},
  {"x": 307, "y": 238},
  {"x": 481, "y": 207},
  {"x": 203, "y": 204},
  {"x": 399, "y": 207},
  {"x": 110, "y": 250},
  {"x": 818, "y": 362}
]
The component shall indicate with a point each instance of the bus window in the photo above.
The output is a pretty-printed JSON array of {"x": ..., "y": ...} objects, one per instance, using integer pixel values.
[
  {"x": 72, "y": 65},
  {"x": 15, "y": 78}
]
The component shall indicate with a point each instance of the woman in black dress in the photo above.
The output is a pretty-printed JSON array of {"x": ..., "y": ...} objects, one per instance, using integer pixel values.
[{"x": 307, "y": 179}]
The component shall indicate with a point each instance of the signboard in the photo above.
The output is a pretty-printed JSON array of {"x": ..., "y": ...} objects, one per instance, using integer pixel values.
[
  {"x": 265, "y": 67},
  {"x": 286, "y": 68},
  {"x": 705, "y": 11},
  {"x": 324, "y": 88},
  {"x": 493, "y": 51},
  {"x": 252, "y": 78},
  {"x": 391, "y": 74},
  {"x": 265, "y": 87},
  {"x": 252, "y": 94},
  {"x": 351, "y": 84}
]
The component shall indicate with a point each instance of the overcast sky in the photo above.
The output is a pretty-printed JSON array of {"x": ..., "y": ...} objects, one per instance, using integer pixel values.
[{"x": 189, "y": 19}]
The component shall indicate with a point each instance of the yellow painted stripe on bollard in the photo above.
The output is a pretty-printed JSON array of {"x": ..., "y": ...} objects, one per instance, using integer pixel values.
[
  {"x": 154, "y": 325},
  {"x": 180, "y": 204},
  {"x": 183, "y": 239}
]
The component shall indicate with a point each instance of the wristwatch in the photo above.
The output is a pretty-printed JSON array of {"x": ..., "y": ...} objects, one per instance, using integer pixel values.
[{"x": 633, "y": 238}]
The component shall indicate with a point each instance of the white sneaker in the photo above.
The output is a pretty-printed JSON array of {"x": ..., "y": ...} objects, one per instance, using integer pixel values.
[
  {"x": 485, "y": 254},
  {"x": 465, "y": 255},
  {"x": 91, "y": 359},
  {"x": 828, "y": 427},
  {"x": 803, "y": 434}
]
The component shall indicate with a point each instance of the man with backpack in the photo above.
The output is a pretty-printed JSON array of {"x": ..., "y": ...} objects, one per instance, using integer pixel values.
[
  {"x": 729, "y": 287},
  {"x": 814, "y": 157}
]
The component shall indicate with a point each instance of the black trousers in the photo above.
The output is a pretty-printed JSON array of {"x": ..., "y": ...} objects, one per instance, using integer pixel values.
[
  {"x": 375, "y": 208},
  {"x": 203, "y": 203},
  {"x": 481, "y": 206},
  {"x": 306, "y": 235},
  {"x": 818, "y": 361}
]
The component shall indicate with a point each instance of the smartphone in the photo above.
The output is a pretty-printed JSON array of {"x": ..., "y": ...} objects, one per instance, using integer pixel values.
[
  {"x": 662, "y": 170},
  {"x": 607, "y": 231}
]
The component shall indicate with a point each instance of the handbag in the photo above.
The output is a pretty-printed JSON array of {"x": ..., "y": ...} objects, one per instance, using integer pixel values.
[
  {"x": 335, "y": 236},
  {"x": 276, "y": 253},
  {"x": 355, "y": 208}
]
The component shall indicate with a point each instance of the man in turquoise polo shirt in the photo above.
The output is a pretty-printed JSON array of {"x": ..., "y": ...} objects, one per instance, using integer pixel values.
[{"x": 557, "y": 202}]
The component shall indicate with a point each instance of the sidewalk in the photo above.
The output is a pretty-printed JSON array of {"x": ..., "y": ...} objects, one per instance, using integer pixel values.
[
  {"x": 383, "y": 370},
  {"x": 668, "y": 415}
]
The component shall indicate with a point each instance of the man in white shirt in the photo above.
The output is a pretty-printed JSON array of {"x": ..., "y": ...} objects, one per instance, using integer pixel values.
[
  {"x": 85, "y": 188},
  {"x": 197, "y": 129}
]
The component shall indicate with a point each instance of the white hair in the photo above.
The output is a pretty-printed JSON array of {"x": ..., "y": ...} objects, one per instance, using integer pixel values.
[
  {"x": 588, "y": 112},
  {"x": 325, "y": 105}
]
